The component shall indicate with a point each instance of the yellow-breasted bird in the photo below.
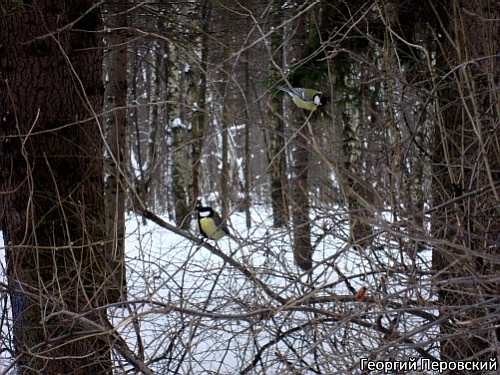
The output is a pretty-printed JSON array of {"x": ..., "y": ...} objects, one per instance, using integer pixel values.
[
  {"x": 210, "y": 225},
  {"x": 308, "y": 99}
]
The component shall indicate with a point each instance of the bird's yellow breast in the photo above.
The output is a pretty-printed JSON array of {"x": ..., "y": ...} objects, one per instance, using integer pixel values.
[
  {"x": 310, "y": 106},
  {"x": 210, "y": 229}
]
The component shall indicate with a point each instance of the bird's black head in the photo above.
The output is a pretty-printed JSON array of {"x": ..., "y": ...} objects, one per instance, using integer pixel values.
[
  {"x": 321, "y": 99},
  {"x": 205, "y": 211}
]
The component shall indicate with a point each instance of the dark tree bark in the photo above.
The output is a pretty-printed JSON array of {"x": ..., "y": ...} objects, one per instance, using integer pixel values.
[
  {"x": 51, "y": 178},
  {"x": 277, "y": 165},
  {"x": 116, "y": 125},
  {"x": 302, "y": 248},
  {"x": 276, "y": 137}
]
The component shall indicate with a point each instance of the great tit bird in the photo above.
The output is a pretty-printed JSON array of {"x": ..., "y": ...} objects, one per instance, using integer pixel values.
[
  {"x": 308, "y": 99},
  {"x": 210, "y": 225}
]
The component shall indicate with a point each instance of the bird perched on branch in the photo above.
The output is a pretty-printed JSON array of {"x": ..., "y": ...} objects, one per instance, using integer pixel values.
[
  {"x": 308, "y": 99},
  {"x": 210, "y": 224}
]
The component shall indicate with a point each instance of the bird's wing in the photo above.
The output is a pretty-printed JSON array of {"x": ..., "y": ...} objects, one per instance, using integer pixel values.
[
  {"x": 220, "y": 224},
  {"x": 293, "y": 91}
]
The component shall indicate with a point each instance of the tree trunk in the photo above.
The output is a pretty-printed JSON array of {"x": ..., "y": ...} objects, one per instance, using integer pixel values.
[
  {"x": 277, "y": 164},
  {"x": 51, "y": 171},
  {"x": 179, "y": 166},
  {"x": 116, "y": 125},
  {"x": 302, "y": 248},
  {"x": 247, "y": 157},
  {"x": 356, "y": 187},
  {"x": 178, "y": 130},
  {"x": 276, "y": 137},
  {"x": 225, "y": 175},
  {"x": 199, "y": 95}
]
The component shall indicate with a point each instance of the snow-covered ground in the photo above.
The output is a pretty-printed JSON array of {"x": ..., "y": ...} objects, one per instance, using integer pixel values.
[
  {"x": 168, "y": 270},
  {"x": 190, "y": 312}
]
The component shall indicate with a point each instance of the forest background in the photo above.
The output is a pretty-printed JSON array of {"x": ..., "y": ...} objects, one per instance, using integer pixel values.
[{"x": 369, "y": 228}]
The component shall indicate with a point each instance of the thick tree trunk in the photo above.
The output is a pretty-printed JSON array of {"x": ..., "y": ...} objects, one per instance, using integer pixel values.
[{"x": 51, "y": 173}]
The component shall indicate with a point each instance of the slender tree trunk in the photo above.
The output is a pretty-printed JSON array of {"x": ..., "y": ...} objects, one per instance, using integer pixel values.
[
  {"x": 247, "y": 200},
  {"x": 199, "y": 95},
  {"x": 277, "y": 164},
  {"x": 225, "y": 175},
  {"x": 51, "y": 170},
  {"x": 302, "y": 248},
  {"x": 178, "y": 132},
  {"x": 116, "y": 124},
  {"x": 356, "y": 187},
  {"x": 179, "y": 164},
  {"x": 276, "y": 136}
]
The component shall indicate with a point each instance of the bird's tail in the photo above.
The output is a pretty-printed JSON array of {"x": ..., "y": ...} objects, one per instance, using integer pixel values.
[{"x": 281, "y": 87}]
